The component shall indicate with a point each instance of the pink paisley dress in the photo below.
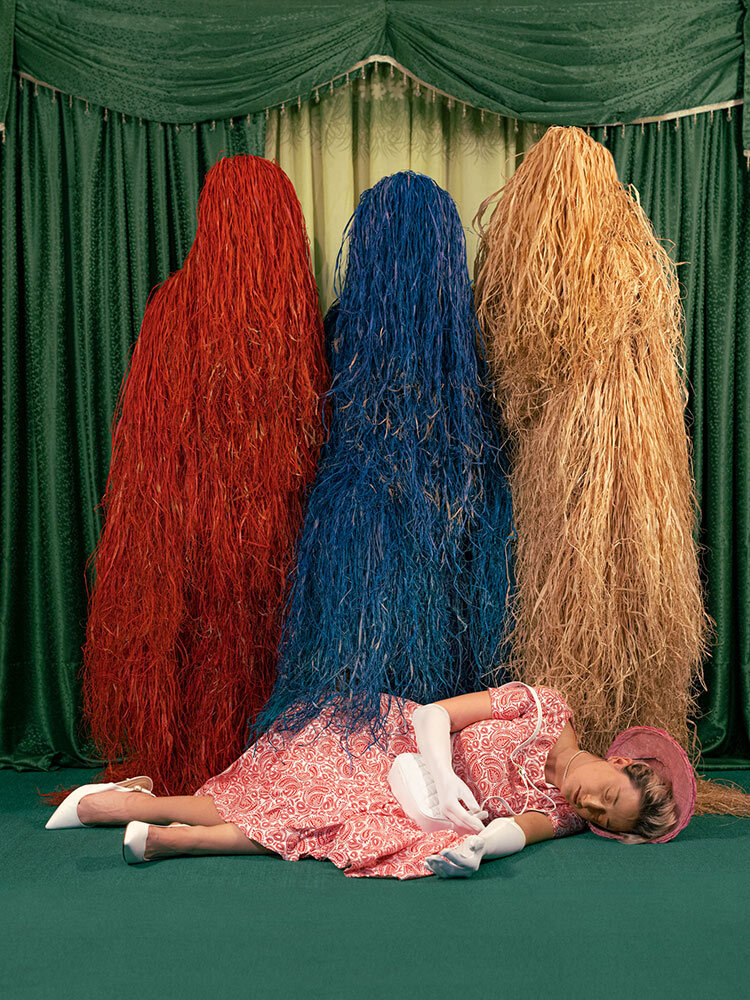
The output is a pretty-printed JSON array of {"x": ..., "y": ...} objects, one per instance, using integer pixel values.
[{"x": 304, "y": 797}]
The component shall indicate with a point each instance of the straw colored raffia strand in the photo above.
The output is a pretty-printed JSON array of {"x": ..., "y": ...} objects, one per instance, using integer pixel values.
[{"x": 580, "y": 311}]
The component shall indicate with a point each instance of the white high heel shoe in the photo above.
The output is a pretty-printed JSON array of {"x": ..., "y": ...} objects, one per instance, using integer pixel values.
[
  {"x": 66, "y": 814},
  {"x": 134, "y": 841}
]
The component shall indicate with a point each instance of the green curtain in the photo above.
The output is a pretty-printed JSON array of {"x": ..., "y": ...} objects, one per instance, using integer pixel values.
[
  {"x": 694, "y": 186},
  {"x": 94, "y": 210},
  {"x": 563, "y": 61}
]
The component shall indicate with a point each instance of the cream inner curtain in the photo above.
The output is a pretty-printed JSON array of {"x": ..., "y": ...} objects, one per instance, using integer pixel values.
[{"x": 335, "y": 148}]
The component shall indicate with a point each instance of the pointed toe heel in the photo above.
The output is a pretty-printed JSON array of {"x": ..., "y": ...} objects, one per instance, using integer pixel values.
[
  {"x": 66, "y": 814},
  {"x": 134, "y": 842}
]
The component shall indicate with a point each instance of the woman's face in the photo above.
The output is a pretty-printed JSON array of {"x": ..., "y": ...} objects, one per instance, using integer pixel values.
[{"x": 601, "y": 793}]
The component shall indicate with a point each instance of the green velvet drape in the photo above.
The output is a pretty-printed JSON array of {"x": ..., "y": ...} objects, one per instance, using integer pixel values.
[
  {"x": 94, "y": 212},
  {"x": 570, "y": 62}
]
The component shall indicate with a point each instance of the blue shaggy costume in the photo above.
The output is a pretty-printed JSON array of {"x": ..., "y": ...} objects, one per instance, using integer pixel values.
[{"x": 403, "y": 564}]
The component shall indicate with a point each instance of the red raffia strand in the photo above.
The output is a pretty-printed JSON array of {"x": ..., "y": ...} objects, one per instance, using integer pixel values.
[{"x": 215, "y": 437}]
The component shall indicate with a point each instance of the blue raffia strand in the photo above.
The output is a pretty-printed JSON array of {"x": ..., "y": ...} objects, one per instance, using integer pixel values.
[{"x": 403, "y": 564}]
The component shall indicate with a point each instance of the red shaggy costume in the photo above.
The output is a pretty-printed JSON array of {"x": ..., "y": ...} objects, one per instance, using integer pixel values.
[{"x": 215, "y": 437}]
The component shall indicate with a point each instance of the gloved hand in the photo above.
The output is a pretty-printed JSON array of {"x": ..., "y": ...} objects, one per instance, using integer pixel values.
[
  {"x": 451, "y": 792},
  {"x": 501, "y": 837},
  {"x": 458, "y": 862},
  {"x": 433, "y": 733}
]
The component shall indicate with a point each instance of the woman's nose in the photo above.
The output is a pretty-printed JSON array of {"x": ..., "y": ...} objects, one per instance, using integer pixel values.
[{"x": 590, "y": 800}]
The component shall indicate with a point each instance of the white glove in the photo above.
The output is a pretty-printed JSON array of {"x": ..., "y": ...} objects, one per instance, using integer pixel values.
[
  {"x": 501, "y": 837},
  {"x": 432, "y": 728}
]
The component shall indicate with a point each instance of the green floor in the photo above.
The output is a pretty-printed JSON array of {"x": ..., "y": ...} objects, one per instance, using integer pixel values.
[{"x": 580, "y": 916}]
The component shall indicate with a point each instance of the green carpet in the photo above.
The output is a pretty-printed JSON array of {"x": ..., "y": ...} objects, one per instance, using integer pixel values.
[{"x": 579, "y": 916}]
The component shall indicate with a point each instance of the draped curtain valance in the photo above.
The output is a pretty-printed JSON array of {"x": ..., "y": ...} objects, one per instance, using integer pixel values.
[{"x": 563, "y": 61}]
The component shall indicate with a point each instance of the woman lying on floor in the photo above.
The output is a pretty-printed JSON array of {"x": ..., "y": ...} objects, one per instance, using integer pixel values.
[{"x": 514, "y": 751}]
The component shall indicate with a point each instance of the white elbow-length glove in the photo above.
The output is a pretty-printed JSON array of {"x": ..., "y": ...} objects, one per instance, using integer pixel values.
[
  {"x": 432, "y": 728},
  {"x": 499, "y": 838}
]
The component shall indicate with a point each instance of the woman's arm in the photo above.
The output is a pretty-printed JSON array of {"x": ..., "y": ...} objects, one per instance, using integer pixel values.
[
  {"x": 431, "y": 725},
  {"x": 536, "y": 826},
  {"x": 503, "y": 836},
  {"x": 466, "y": 709}
]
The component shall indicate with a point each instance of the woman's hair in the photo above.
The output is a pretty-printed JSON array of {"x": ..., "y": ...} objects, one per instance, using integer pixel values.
[{"x": 657, "y": 814}]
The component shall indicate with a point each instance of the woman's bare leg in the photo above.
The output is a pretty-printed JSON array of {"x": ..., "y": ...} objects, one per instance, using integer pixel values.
[
  {"x": 225, "y": 838},
  {"x": 112, "y": 808}
]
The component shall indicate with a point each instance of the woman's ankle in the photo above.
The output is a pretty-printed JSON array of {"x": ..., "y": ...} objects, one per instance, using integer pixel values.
[
  {"x": 157, "y": 844},
  {"x": 170, "y": 841},
  {"x": 109, "y": 808}
]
